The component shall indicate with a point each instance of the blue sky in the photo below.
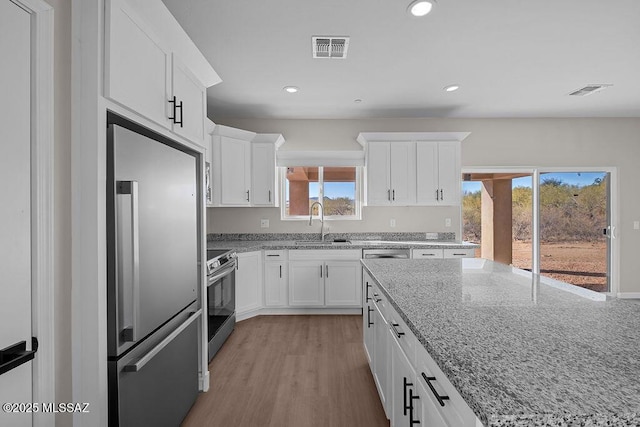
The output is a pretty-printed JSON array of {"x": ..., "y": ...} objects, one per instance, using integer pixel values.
[{"x": 577, "y": 178}]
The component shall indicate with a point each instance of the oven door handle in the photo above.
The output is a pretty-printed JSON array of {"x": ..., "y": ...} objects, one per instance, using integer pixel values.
[{"x": 228, "y": 269}]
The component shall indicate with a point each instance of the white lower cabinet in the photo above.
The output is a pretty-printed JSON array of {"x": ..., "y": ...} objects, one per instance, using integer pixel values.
[
  {"x": 326, "y": 278},
  {"x": 248, "y": 282},
  {"x": 275, "y": 279},
  {"x": 412, "y": 388},
  {"x": 405, "y": 395},
  {"x": 306, "y": 283}
]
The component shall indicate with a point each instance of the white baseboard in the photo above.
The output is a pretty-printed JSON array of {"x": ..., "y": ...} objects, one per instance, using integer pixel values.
[
  {"x": 628, "y": 295},
  {"x": 291, "y": 311}
]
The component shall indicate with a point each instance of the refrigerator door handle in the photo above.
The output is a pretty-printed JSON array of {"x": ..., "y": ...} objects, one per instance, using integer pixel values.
[
  {"x": 140, "y": 363},
  {"x": 130, "y": 333}
]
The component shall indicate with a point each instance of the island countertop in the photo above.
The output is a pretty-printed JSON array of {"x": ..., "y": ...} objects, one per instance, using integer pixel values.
[{"x": 519, "y": 352}]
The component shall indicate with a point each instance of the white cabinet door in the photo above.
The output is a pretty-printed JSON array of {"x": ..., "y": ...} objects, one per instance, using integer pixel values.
[
  {"x": 248, "y": 282},
  {"x": 449, "y": 173},
  {"x": 235, "y": 163},
  {"x": 403, "y": 387},
  {"x": 426, "y": 408},
  {"x": 427, "y": 190},
  {"x": 275, "y": 284},
  {"x": 137, "y": 66},
  {"x": 306, "y": 283},
  {"x": 342, "y": 283},
  {"x": 378, "y": 174},
  {"x": 403, "y": 173},
  {"x": 191, "y": 98},
  {"x": 381, "y": 358},
  {"x": 263, "y": 169}
]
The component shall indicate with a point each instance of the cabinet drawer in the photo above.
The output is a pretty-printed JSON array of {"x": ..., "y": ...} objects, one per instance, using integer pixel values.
[
  {"x": 403, "y": 335},
  {"x": 426, "y": 253},
  {"x": 459, "y": 253},
  {"x": 325, "y": 254},
  {"x": 455, "y": 411},
  {"x": 379, "y": 300},
  {"x": 275, "y": 255}
]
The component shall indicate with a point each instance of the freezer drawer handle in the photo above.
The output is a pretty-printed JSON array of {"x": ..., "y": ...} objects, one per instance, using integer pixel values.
[
  {"x": 17, "y": 354},
  {"x": 140, "y": 363},
  {"x": 440, "y": 398},
  {"x": 130, "y": 333}
]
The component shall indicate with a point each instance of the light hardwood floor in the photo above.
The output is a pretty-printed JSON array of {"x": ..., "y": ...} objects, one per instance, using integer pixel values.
[{"x": 291, "y": 371}]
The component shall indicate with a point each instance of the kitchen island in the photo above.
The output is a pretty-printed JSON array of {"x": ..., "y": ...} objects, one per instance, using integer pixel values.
[{"x": 519, "y": 352}]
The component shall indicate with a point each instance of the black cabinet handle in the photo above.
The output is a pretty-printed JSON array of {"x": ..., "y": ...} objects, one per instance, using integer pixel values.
[
  {"x": 394, "y": 194},
  {"x": 398, "y": 333},
  {"x": 375, "y": 298},
  {"x": 17, "y": 354},
  {"x": 247, "y": 195},
  {"x": 321, "y": 271},
  {"x": 326, "y": 271},
  {"x": 389, "y": 194},
  {"x": 173, "y": 101},
  {"x": 441, "y": 195},
  {"x": 281, "y": 272},
  {"x": 458, "y": 254},
  {"x": 407, "y": 406},
  {"x": 440, "y": 398},
  {"x": 269, "y": 196},
  {"x": 181, "y": 122},
  {"x": 369, "y": 322},
  {"x": 437, "y": 194},
  {"x": 366, "y": 293},
  {"x": 412, "y": 397}
]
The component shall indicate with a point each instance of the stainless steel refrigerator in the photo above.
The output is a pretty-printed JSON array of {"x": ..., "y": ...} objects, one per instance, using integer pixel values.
[{"x": 152, "y": 277}]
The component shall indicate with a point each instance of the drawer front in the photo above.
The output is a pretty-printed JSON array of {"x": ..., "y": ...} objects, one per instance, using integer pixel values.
[
  {"x": 403, "y": 334},
  {"x": 379, "y": 300},
  {"x": 455, "y": 411},
  {"x": 325, "y": 254},
  {"x": 427, "y": 253},
  {"x": 459, "y": 253},
  {"x": 275, "y": 255}
]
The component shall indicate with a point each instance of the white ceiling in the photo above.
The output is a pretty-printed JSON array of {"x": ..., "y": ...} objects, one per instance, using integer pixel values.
[{"x": 512, "y": 58}]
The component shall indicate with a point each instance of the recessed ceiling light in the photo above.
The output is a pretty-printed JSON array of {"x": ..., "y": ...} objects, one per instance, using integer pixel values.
[
  {"x": 290, "y": 89},
  {"x": 420, "y": 7},
  {"x": 451, "y": 88},
  {"x": 357, "y": 101}
]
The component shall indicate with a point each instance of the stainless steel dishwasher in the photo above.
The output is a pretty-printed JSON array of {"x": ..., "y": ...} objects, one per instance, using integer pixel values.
[{"x": 386, "y": 253}]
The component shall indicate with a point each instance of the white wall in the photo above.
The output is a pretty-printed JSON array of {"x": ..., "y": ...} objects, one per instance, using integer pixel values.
[{"x": 493, "y": 142}]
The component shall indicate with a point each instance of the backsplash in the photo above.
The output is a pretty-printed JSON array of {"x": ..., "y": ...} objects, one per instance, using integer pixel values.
[{"x": 410, "y": 236}]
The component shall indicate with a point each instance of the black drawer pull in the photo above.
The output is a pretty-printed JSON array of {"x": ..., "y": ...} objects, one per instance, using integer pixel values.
[
  {"x": 459, "y": 254},
  {"x": 440, "y": 398},
  {"x": 412, "y": 397},
  {"x": 17, "y": 354},
  {"x": 369, "y": 322},
  {"x": 398, "y": 333},
  {"x": 367, "y": 292}
]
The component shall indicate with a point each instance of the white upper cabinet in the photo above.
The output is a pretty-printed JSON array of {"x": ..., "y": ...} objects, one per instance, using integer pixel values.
[
  {"x": 153, "y": 69},
  {"x": 264, "y": 183},
  {"x": 244, "y": 166},
  {"x": 190, "y": 103},
  {"x": 137, "y": 64},
  {"x": 413, "y": 168},
  {"x": 439, "y": 180}
]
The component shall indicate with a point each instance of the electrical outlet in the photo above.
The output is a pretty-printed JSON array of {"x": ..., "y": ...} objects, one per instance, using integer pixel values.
[
  {"x": 636, "y": 225},
  {"x": 392, "y": 222},
  {"x": 264, "y": 223},
  {"x": 447, "y": 222}
]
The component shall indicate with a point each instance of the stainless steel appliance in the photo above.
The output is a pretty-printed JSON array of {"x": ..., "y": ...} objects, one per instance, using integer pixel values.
[
  {"x": 221, "y": 297},
  {"x": 386, "y": 253},
  {"x": 152, "y": 276}
]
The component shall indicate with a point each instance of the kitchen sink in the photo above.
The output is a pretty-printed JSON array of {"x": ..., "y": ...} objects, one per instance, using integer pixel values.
[{"x": 320, "y": 243}]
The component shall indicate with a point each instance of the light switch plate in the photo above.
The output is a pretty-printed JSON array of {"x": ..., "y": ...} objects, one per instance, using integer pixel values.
[
  {"x": 447, "y": 222},
  {"x": 636, "y": 225},
  {"x": 392, "y": 222},
  {"x": 264, "y": 223}
]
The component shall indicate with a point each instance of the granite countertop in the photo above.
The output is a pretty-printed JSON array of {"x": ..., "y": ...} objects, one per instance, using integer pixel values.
[
  {"x": 520, "y": 353},
  {"x": 257, "y": 242}
]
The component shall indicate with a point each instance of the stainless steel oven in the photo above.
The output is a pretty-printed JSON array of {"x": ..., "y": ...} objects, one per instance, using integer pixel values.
[{"x": 221, "y": 297}]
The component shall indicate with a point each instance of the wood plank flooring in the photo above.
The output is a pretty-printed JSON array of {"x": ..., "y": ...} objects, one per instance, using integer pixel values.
[{"x": 291, "y": 371}]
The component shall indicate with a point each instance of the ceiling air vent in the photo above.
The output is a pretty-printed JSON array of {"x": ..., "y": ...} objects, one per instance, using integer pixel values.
[
  {"x": 330, "y": 47},
  {"x": 589, "y": 89}
]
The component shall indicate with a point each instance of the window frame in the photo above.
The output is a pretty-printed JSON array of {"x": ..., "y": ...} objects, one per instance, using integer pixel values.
[{"x": 282, "y": 176}]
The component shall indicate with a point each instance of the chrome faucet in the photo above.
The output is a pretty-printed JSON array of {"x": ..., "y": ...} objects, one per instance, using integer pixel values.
[{"x": 321, "y": 217}]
